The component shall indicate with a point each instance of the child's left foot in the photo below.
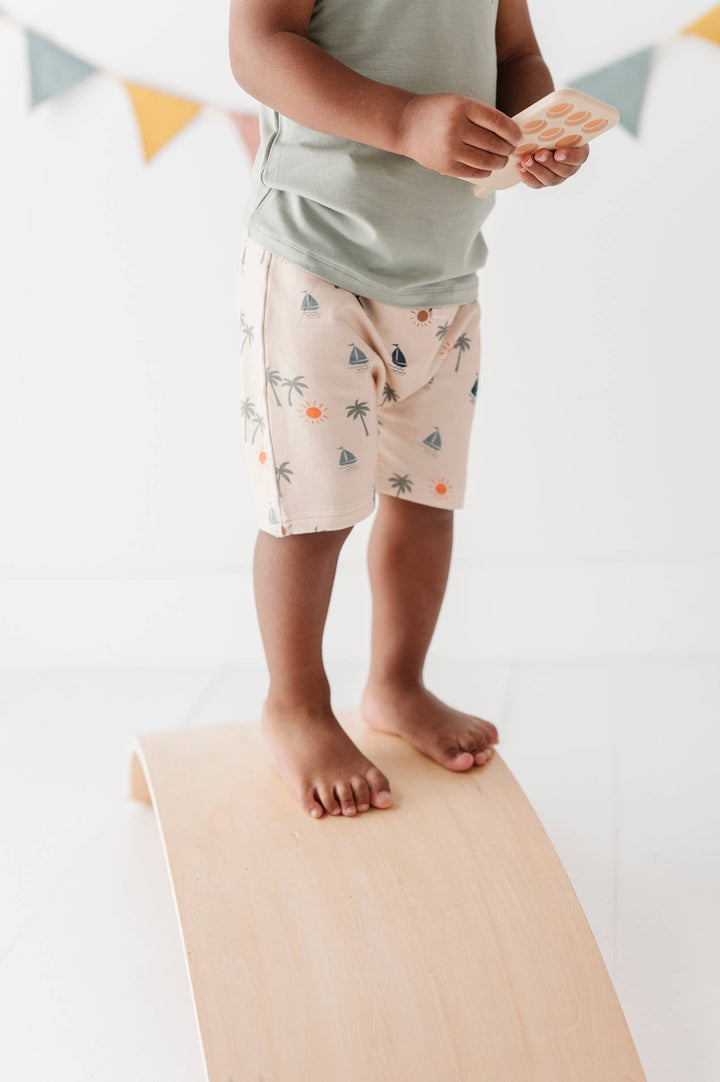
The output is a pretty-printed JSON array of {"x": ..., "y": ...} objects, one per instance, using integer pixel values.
[{"x": 453, "y": 739}]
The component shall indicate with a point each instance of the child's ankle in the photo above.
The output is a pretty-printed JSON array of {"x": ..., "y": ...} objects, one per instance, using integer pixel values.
[
  {"x": 294, "y": 701},
  {"x": 396, "y": 679}
]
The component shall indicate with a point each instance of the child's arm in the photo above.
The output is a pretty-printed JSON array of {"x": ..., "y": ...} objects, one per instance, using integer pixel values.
[
  {"x": 272, "y": 59},
  {"x": 523, "y": 76}
]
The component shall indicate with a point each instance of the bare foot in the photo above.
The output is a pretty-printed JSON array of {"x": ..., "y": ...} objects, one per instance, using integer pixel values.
[
  {"x": 322, "y": 766},
  {"x": 453, "y": 739}
]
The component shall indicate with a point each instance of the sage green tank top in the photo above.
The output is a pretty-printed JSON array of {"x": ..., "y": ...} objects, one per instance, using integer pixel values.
[{"x": 368, "y": 220}]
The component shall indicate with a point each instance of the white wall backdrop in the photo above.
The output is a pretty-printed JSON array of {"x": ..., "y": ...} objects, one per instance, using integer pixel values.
[{"x": 592, "y": 518}]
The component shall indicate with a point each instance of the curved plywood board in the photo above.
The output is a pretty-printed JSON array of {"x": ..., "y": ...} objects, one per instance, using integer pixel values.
[{"x": 436, "y": 941}]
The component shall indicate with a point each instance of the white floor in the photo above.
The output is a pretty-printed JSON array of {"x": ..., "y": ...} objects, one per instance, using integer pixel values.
[{"x": 619, "y": 757}]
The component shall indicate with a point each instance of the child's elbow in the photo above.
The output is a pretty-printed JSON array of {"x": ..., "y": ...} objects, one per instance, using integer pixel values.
[{"x": 238, "y": 63}]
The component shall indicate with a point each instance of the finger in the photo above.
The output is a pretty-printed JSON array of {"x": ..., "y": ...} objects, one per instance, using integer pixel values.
[
  {"x": 476, "y": 158},
  {"x": 540, "y": 172},
  {"x": 466, "y": 172},
  {"x": 479, "y": 155},
  {"x": 504, "y": 127},
  {"x": 528, "y": 178},
  {"x": 572, "y": 155},
  {"x": 562, "y": 169}
]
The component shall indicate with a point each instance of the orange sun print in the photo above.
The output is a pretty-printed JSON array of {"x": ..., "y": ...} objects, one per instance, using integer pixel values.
[
  {"x": 421, "y": 317},
  {"x": 440, "y": 487},
  {"x": 313, "y": 412}
]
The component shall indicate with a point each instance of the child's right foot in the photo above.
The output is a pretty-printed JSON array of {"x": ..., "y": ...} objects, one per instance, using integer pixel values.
[{"x": 320, "y": 763}]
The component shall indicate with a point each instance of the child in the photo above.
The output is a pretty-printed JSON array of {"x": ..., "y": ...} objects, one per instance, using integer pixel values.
[{"x": 360, "y": 352}]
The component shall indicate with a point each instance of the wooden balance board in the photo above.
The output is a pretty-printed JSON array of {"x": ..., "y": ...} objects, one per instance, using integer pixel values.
[{"x": 439, "y": 940}]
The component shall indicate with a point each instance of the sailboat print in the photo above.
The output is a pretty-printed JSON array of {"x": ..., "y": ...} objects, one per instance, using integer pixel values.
[
  {"x": 357, "y": 358},
  {"x": 473, "y": 390},
  {"x": 433, "y": 441},
  {"x": 347, "y": 459},
  {"x": 309, "y": 305},
  {"x": 398, "y": 357},
  {"x": 272, "y": 517}
]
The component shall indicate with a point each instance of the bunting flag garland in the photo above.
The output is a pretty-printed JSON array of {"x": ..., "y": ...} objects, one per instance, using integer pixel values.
[
  {"x": 706, "y": 27},
  {"x": 621, "y": 84},
  {"x": 159, "y": 116},
  {"x": 52, "y": 70}
]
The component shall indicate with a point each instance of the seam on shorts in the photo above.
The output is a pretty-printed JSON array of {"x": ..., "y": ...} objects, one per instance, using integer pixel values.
[
  {"x": 266, "y": 293},
  {"x": 446, "y": 358},
  {"x": 337, "y": 266}
]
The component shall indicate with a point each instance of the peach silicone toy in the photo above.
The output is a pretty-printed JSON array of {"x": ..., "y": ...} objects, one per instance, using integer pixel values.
[{"x": 563, "y": 118}]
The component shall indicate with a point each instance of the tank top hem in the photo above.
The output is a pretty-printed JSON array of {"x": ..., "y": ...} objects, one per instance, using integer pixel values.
[{"x": 438, "y": 296}]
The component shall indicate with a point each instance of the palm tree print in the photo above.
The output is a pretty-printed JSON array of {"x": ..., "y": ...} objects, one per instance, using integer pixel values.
[
  {"x": 246, "y": 330},
  {"x": 259, "y": 426},
  {"x": 358, "y": 409},
  {"x": 389, "y": 395},
  {"x": 283, "y": 473},
  {"x": 297, "y": 383},
  {"x": 442, "y": 330},
  {"x": 247, "y": 412},
  {"x": 274, "y": 379},
  {"x": 462, "y": 342},
  {"x": 401, "y": 483}
]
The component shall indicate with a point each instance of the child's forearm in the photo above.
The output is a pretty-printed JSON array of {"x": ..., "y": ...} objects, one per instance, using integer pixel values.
[
  {"x": 293, "y": 75},
  {"x": 522, "y": 81}
]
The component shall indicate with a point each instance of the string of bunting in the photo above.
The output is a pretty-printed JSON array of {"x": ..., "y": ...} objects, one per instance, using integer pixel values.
[{"x": 53, "y": 69}]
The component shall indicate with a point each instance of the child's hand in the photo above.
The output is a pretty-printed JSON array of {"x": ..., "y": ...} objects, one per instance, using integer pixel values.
[
  {"x": 546, "y": 168},
  {"x": 456, "y": 135}
]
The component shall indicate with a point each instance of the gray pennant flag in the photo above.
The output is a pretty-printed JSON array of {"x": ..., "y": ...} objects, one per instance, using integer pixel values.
[
  {"x": 52, "y": 69},
  {"x": 621, "y": 84}
]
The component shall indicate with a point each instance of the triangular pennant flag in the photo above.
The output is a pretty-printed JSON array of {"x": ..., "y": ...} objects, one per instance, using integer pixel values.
[
  {"x": 706, "y": 27},
  {"x": 52, "y": 69},
  {"x": 248, "y": 125},
  {"x": 159, "y": 116},
  {"x": 621, "y": 84}
]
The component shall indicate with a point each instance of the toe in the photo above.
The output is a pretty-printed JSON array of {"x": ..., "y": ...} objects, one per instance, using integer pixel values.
[
  {"x": 344, "y": 793},
  {"x": 380, "y": 795},
  {"x": 328, "y": 798},
  {"x": 482, "y": 756},
  {"x": 457, "y": 759},
  {"x": 313, "y": 806},
  {"x": 361, "y": 790}
]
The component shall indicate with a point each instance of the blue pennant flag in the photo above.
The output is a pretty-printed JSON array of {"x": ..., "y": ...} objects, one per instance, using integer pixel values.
[
  {"x": 52, "y": 69},
  {"x": 621, "y": 84}
]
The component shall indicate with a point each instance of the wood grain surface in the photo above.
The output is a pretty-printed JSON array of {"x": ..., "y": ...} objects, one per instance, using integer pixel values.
[{"x": 439, "y": 940}]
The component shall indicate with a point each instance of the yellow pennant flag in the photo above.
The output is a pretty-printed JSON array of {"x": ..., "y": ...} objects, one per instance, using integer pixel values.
[
  {"x": 159, "y": 116},
  {"x": 708, "y": 26}
]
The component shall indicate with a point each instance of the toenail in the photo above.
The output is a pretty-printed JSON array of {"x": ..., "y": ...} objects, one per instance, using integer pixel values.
[
  {"x": 382, "y": 793},
  {"x": 363, "y": 807}
]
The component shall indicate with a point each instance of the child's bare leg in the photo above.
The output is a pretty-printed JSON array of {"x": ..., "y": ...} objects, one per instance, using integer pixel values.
[
  {"x": 321, "y": 764},
  {"x": 409, "y": 561}
]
